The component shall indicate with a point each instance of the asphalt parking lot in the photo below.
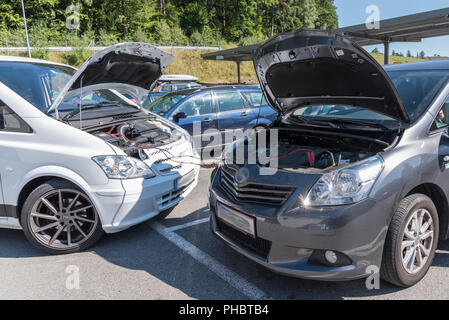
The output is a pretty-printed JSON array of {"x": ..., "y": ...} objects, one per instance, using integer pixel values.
[{"x": 177, "y": 257}]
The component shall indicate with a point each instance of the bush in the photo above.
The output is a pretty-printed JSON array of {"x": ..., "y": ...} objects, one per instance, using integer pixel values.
[
  {"x": 258, "y": 38},
  {"x": 166, "y": 35},
  {"x": 40, "y": 53},
  {"x": 208, "y": 37},
  {"x": 80, "y": 53},
  {"x": 178, "y": 37},
  {"x": 77, "y": 56},
  {"x": 14, "y": 37},
  {"x": 106, "y": 39},
  {"x": 140, "y": 36},
  {"x": 196, "y": 39}
]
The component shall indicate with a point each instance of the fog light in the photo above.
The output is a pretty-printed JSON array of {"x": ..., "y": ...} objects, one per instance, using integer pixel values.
[{"x": 331, "y": 256}]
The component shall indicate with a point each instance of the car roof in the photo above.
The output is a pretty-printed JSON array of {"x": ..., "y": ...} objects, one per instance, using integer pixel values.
[
  {"x": 217, "y": 87},
  {"x": 178, "y": 77},
  {"x": 177, "y": 83},
  {"x": 416, "y": 66},
  {"x": 31, "y": 60}
]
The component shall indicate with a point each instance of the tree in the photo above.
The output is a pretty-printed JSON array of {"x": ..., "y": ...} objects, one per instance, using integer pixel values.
[
  {"x": 327, "y": 15},
  {"x": 194, "y": 18},
  {"x": 239, "y": 21},
  {"x": 409, "y": 54},
  {"x": 422, "y": 55}
]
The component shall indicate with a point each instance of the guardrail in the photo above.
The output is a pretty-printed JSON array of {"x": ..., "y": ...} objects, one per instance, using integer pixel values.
[{"x": 10, "y": 49}]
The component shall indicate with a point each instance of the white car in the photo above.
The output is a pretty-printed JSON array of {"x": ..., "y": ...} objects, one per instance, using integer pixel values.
[{"x": 78, "y": 158}]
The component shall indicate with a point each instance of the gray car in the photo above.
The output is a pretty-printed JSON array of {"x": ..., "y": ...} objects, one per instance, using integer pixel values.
[{"x": 362, "y": 177}]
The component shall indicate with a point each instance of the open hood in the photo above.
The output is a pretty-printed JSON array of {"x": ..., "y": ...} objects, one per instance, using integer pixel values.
[
  {"x": 136, "y": 66},
  {"x": 307, "y": 67}
]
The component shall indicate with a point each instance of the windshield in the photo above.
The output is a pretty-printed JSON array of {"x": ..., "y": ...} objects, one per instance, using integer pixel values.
[
  {"x": 38, "y": 83},
  {"x": 416, "y": 88},
  {"x": 91, "y": 97},
  {"x": 165, "y": 103},
  {"x": 43, "y": 83}
]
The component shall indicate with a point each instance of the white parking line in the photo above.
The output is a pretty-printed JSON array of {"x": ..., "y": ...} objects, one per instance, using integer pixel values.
[
  {"x": 220, "y": 270},
  {"x": 188, "y": 224}
]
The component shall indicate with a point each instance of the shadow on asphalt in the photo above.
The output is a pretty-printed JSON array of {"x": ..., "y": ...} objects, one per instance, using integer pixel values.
[{"x": 141, "y": 248}]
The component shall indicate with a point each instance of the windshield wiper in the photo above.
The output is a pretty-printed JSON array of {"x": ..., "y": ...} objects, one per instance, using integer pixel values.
[
  {"x": 316, "y": 122},
  {"x": 89, "y": 106},
  {"x": 360, "y": 123}
]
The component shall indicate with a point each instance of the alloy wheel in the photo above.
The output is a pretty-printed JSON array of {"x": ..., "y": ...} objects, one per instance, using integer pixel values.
[
  {"x": 63, "y": 218},
  {"x": 417, "y": 241}
]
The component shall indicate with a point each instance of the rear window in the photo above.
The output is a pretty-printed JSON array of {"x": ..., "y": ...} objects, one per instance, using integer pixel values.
[
  {"x": 166, "y": 88},
  {"x": 255, "y": 98},
  {"x": 229, "y": 101}
]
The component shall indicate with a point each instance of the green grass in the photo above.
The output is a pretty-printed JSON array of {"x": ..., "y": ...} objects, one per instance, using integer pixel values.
[
  {"x": 190, "y": 62},
  {"x": 394, "y": 59}
]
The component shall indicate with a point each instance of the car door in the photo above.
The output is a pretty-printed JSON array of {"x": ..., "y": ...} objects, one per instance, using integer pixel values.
[
  {"x": 233, "y": 111},
  {"x": 200, "y": 118},
  {"x": 12, "y": 128},
  {"x": 439, "y": 130},
  {"x": 262, "y": 113}
]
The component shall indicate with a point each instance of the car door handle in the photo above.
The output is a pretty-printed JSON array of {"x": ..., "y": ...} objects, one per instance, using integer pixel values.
[
  {"x": 207, "y": 120},
  {"x": 244, "y": 114}
]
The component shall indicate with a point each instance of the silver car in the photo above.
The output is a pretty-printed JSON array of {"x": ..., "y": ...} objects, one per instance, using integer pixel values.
[
  {"x": 362, "y": 179},
  {"x": 77, "y": 158}
]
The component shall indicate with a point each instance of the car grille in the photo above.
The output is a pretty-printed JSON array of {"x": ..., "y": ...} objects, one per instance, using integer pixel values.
[
  {"x": 274, "y": 195},
  {"x": 256, "y": 245},
  {"x": 171, "y": 198}
]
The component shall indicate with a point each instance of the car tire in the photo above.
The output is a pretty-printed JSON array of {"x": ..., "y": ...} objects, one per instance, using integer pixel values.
[
  {"x": 411, "y": 241},
  {"x": 59, "y": 218}
]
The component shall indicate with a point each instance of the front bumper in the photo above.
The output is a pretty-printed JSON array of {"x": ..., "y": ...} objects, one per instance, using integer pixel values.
[
  {"x": 143, "y": 199},
  {"x": 289, "y": 242}
]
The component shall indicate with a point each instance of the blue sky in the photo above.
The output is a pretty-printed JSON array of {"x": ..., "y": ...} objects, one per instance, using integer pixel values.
[{"x": 351, "y": 12}]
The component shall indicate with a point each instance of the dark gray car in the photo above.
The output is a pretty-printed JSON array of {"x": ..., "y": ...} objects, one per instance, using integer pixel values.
[{"x": 362, "y": 177}]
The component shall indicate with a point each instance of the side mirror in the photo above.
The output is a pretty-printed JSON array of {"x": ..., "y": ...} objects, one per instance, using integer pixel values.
[{"x": 179, "y": 115}]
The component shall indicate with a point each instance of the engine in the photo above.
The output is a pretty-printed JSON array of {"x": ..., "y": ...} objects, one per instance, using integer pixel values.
[
  {"x": 297, "y": 150},
  {"x": 302, "y": 157},
  {"x": 135, "y": 136}
]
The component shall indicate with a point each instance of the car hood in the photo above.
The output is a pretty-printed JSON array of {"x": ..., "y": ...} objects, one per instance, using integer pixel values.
[
  {"x": 133, "y": 65},
  {"x": 308, "y": 67}
]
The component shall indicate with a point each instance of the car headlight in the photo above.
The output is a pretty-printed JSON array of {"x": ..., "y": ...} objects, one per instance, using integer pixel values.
[
  {"x": 123, "y": 167},
  {"x": 347, "y": 185}
]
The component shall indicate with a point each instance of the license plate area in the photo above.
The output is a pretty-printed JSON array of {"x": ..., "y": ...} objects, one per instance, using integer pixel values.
[{"x": 237, "y": 220}]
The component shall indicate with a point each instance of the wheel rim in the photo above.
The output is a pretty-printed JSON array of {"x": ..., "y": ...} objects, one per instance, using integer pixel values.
[
  {"x": 63, "y": 219},
  {"x": 417, "y": 241}
]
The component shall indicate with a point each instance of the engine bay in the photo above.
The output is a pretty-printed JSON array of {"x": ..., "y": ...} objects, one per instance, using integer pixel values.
[
  {"x": 294, "y": 156},
  {"x": 302, "y": 150},
  {"x": 137, "y": 135}
]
